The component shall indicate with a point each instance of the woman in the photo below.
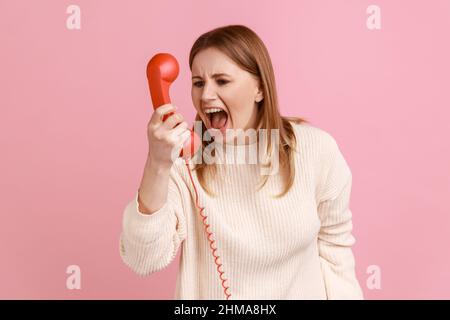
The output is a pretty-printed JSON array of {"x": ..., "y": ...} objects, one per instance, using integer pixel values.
[{"x": 288, "y": 238}]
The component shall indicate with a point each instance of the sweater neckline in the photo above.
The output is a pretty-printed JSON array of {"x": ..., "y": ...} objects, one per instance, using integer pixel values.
[{"x": 232, "y": 154}]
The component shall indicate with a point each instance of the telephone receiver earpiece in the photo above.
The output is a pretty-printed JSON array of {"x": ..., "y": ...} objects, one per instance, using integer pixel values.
[{"x": 162, "y": 70}]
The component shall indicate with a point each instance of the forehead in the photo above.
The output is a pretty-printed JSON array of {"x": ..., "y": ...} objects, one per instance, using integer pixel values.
[{"x": 212, "y": 60}]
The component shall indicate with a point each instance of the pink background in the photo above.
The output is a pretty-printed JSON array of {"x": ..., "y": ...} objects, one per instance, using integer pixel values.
[{"x": 75, "y": 105}]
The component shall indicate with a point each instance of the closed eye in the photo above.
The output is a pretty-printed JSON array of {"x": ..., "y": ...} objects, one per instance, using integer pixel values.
[{"x": 221, "y": 82}]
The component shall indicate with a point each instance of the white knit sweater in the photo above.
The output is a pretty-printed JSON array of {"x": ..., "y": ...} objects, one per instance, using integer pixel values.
[{"x": 294, "y": 247}]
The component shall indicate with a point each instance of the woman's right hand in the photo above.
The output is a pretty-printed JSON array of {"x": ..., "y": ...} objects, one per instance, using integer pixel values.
[{"x": 166, "y": 138}]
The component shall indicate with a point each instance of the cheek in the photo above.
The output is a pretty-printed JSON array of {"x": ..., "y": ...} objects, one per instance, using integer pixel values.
[
  {"x": 196, "y": 99},
  {"x": 239, "y": 101}
]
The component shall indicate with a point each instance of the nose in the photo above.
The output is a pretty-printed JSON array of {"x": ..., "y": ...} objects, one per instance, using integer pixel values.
[{"x": 208, "y": 93}]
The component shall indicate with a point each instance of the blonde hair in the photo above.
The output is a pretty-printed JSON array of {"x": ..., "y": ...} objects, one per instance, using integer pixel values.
[{"x": 247, "y": 50}]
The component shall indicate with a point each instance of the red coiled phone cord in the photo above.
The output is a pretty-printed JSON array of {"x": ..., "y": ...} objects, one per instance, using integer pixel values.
[{"x": 210, "y": 235}]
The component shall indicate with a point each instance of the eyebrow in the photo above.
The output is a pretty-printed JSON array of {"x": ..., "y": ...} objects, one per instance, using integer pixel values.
[{"x": 215, "y": 75}]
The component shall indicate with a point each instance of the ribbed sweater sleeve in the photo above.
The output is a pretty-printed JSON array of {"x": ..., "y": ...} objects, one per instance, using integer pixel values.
[
  {"x": 149, "y": 243},
  {"x": 335, "y": 237}
]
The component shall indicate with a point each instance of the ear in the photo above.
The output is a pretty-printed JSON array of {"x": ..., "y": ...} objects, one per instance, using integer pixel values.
[{"x": 259, "y": 96}]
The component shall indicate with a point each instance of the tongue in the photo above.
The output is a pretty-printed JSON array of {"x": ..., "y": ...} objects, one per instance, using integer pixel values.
[{"x": 218, "y": 119}]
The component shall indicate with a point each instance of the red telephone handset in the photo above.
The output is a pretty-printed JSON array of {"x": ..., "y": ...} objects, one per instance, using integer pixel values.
[{"x": 162, "y": 70}]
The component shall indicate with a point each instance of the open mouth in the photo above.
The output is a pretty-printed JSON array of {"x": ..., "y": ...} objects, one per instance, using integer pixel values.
[{"x": 218, "y": 118}]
